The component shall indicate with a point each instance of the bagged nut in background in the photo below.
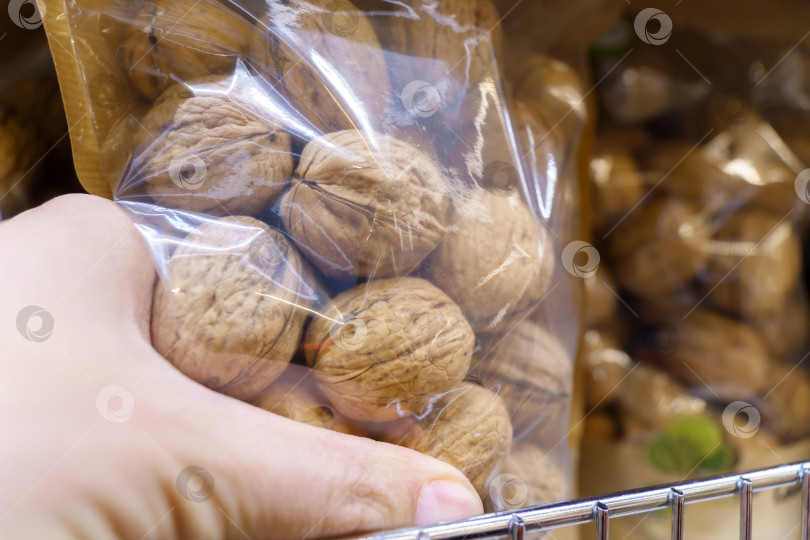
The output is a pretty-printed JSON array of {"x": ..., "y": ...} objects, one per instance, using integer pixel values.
[{"x": 357, "y": 221}]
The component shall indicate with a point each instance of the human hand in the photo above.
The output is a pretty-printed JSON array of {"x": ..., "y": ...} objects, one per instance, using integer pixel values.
[{"x": 103, "y": 438}]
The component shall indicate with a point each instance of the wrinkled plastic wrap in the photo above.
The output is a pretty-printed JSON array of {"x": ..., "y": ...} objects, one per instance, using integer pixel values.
[
  {"x": 356, "y": 220},
  {"x": 35, "y": 158},
  {"x": 695, "y": 356}
]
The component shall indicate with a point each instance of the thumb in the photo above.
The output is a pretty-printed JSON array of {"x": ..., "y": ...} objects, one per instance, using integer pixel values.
[{"x": 273, "y": 476}]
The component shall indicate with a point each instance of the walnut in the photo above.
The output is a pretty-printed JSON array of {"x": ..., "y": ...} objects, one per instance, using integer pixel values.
[
  {"x": 468, "y": 427},
  {"x": 660, "y": 246},
  {"x": 496, "y": 261},
  {"x": 18, "y": 151},
  {"x": 617, "y": 184},
  {"x": 297, "y": 398},
  {"x": 231, "y": 308},
  {"x": 531, "y": 371},
  {"x": 211, "y": 150},
  {"x": 719, "y": 357},
  {"x": 324, "y": 57},
  {"x": 441, "y": 54},
  {"x": 365, "y": 207},
  {"x": 649, "y": 400},
  {"x": 785, "y": 407},
  {"x": 181, "y": 40},
  {"x": 529, "y": 477},
  {"x": 755, "y": 265},
  {"x": 606, "y": 366},
  {"x": 382, "y": 350},
  {"x": 785, "y": 330}
]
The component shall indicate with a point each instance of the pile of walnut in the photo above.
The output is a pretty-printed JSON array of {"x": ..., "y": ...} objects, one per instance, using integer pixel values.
[{"x": 386, "y": 299}]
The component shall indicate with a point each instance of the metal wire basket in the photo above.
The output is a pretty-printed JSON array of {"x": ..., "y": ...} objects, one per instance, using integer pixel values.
[{"x": 600, "y": 510}]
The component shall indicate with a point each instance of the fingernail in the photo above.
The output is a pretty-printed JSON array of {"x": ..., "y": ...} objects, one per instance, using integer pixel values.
[{"x": 445, "y": 500}]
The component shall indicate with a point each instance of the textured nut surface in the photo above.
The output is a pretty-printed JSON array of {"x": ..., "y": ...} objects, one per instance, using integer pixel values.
[
  {"x": 365, "y": 207},
  {"x": 755, "y": 266},
  {"x": 387, "y": 346},
  {"x": 449, "y": 45},
  {"x": 786, "y": 407},
  {"x": 531, "y": 371},
  {"x": 211, "y": 150},
  {"x": 659, "y": 247},
  {"x": 722, "y": 353},
  {"x": 649, "y": 400},
  {"x": 296, "y": 41},
  {"x": 229, "y": 314},
  {"x": 496, "y": 261},
  {"x": 469, "y": 429},
  {"x": 297, "y": 401},
  {"x": 181, "y": 40},
  {"x": 606, "y": 366},
  {"x": 528, "y": 477}
]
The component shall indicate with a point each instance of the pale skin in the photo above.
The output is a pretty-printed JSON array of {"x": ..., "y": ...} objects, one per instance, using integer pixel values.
[{"x": 76, "y": 463}]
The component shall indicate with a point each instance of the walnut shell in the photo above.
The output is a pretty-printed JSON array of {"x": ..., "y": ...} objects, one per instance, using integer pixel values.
[
  {"x": 441, "y": 54},
  {"x": 18, "y": 151},
  {"x": 528, "y": 477},
  {"x": 785, "y": 407},
  {"x": 496, "y": 261},
  {"x": 468, "y": 428},
  {"x": 785, "y": 330},
  {"x": 719, "y": 357},
  {"x": 659, "y": 247},
  {"x": 297, "y": 401},
  {"x": 365, "y": 207},
  {"x": 232, "y": 307},
  {"x": 296, "y": 41},
  {"x": 171, "y": 40},
  {"x": 531, "y": 371},
  {"x": 601, "y": 298},
  {"x": 606, "y": 366},
  {"x": 211, "y": 150},
  {"x": 755, "y": 266},
  {"x": 388, "y": 346},
  {"x": 617, "y": 185},
  {"x": 649, "y": 400}
]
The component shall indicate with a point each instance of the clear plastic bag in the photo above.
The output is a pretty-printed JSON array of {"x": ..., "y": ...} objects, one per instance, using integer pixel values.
[{"x": 355, "y": 220}]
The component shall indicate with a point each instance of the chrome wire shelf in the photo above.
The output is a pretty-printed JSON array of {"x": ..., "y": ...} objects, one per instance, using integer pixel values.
[{"x": 600, "y": 510}]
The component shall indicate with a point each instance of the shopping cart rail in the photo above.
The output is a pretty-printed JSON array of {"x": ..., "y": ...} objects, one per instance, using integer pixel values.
[{"x": 514, "y": 524}]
